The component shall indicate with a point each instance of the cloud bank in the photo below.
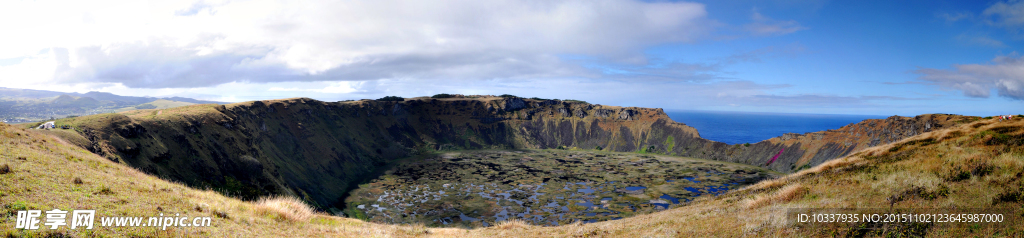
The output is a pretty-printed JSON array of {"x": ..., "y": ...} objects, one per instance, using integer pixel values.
[
  {"x": 1009, "y": 14},
  {"x": 765, "y": 26},
  {"x": 1005, "y": 75},
  {"x": 201, "y": 44}
]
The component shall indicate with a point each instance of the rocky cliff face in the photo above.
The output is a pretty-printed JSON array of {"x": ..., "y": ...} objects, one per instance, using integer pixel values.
[
  {"x": 320, "y": 150},
  {"x": 810, "y": 149}
]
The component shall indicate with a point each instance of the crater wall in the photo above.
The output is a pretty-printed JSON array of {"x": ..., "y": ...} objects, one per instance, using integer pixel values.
[{"x": 319, "y": 151}]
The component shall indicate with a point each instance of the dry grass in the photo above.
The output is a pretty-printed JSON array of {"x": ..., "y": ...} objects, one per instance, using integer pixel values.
[
  {"x": 284, "y": 208},
  {"x": 786, "y": 194},
  {"x": 67, "y": 137},
  {"x": 770, "y": 184},
  {"x": 43, "y": 171}
]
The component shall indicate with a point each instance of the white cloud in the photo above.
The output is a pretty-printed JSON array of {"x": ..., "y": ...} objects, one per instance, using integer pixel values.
[
  {"x": 954, "y": 17},
  {"x": 765, "y": 26},
  {"x": 1005, "y": 74},
  {"x": 1009, "y": 14},
  {"x": 182, "y": 44},
  {"x": 980, "y": 40},
  {"x": 330, "y": 88}
]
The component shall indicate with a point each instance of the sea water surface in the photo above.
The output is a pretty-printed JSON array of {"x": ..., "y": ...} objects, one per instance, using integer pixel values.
[{"x": 752, "y": 127}]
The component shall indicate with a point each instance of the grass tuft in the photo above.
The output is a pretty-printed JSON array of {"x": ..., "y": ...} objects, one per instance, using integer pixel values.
[
  {"x": 4, "y": 169},
  {"x": 284, "y": 208},
  {"x": 512, "y": 224},
  {"x": 786, "y": 194}
]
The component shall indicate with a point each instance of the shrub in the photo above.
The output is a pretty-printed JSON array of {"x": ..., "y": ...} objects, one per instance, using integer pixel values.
[
  {"x": 508, "y": 96},
  {"x": 356, "y": 213},
  {"x": 539, "y": 99},
  {"x": 442, "y": 95},
  {"x": 1008, "y": 196},
  {"x": 391, "y": 98},
  {"x": 104, "y": 191},
  {"x": 746, "y": 144},
  {"x": 598, "y": 148},
  {"x": 5, "y": 169}
]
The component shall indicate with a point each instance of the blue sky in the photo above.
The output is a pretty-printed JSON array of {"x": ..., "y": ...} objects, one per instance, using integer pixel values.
[{"x": 796, "y": 56}]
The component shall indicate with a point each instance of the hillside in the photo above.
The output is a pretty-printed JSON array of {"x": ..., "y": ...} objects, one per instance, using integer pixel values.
[
  {"x": 26, "y": 105},
  {"x": 974, "y": 165},
  {"x": 292, "y": 146},
  {"x": 158, "y": 104}
]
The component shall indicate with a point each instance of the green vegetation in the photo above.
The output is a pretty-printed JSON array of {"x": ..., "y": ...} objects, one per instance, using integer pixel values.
[
  {"x": 391, "y": 98},
  {"x": 539, "y": 99},
  {"x": 645, "y": 150},
  {"x": 442, "y": 95},
  {"x": 356, "y": 213},
  {"x": 157, "y": 104},
  {"x": 508, "y": 96},
  {"x": 670, "y": 144},
  {"x": 472, "y": 183}
]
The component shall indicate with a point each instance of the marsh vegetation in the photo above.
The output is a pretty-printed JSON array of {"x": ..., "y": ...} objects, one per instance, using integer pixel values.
[{"x": 541, "y": 187}]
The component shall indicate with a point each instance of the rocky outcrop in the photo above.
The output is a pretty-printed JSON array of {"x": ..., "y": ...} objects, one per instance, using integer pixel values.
[
  {"x": 626, "y": 114},
  {"x": 513, "y": 104}
]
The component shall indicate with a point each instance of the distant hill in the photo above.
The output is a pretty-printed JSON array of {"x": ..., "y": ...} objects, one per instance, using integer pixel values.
[
  {"x": 28, "y": 105},
  {"x": 193, "y": 101},
  {"x": 69, "y": 101}
]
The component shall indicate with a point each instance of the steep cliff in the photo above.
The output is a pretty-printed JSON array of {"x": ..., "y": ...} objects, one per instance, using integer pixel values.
[{"x": 320, "y": 150}]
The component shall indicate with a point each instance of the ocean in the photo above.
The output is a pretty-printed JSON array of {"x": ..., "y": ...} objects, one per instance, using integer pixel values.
[{"x": 752, "y": 127}]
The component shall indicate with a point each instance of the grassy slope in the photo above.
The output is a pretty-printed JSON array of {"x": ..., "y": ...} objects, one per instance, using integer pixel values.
[
  {"x": 157, "y": 104},
  {"x": 864, "y": 134},
  {"x": 43, "y": 180},
  {"x": 43, "y": 169}
]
